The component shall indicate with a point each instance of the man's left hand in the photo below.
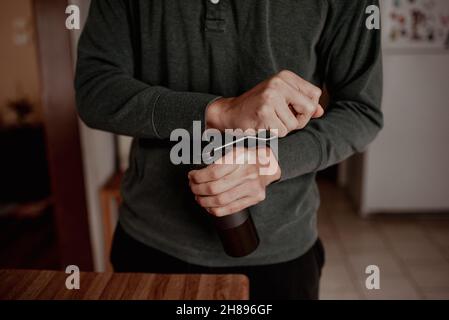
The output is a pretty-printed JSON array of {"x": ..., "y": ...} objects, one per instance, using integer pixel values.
[{"x": 229, "y": 186}]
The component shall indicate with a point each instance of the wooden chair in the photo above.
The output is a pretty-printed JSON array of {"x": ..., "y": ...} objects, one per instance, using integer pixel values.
[{"x": 109, "y": 194}]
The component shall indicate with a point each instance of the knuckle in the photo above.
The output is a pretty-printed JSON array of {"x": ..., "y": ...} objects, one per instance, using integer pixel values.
[
  {"x": 193, "y": 178},
  {"x": 214, "y": 174},
  {"x": 268, "y": 94},
  {"x": 263, "y": 110},
  {"x": 211, "y": 188},
  {"x": 282, "y": 132},
  {"x": 221, "y": 199},
  {"x": 214, "y": 211},
  {"x": 250, "y": 170},
  {"x": 284, "y": 73},
  {"x": 252, "y": 174},
  {"x": 317, "y": 92},
  {"x": 218, "y": 212},
  {"x": 275, "y": 81},
  {"x": 194, "y": 188},
  {"x": 201, "y": 201},
  {"x": 260, "y": 125},
  {"x": 309, "y": 109}
]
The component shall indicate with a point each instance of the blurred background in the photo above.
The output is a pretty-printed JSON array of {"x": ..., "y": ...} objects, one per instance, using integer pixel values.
[{"x": 59, "y": 180}]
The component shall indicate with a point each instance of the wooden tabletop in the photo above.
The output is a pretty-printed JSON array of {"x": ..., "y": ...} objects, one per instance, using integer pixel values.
[{"x": 32, "y": 284}]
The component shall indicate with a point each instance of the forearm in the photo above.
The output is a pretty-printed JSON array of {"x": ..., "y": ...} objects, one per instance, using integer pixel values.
[
  {"x": 351, "y": 59},
  {"x": 109, "y": 95},
  {"x": 347, "y": 128},
  {"x": 120, "y": 104}
]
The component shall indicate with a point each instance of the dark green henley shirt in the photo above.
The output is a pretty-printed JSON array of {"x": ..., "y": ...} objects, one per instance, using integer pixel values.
[{"x": 148, "y": 67}]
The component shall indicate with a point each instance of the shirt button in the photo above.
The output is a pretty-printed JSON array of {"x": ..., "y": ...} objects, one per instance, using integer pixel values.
[{"x": 215, "y": 1}]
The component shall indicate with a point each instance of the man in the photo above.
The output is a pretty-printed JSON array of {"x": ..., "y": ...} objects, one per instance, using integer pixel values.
[{"x": 146, "y": 68}]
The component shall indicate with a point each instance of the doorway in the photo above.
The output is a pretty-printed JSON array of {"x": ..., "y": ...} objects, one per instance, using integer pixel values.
[{"x": 43, "y": 204}]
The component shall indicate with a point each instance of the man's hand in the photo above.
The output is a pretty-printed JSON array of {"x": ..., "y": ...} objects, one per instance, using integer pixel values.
[
  {"x": 230, "y": 185},
  {"x": 285, "y": 102}
]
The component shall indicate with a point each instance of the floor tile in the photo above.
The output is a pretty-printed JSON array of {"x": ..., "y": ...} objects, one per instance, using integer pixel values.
[
  {"x": 332, "y": 252},
  {"x": 412, "y": 252},
  {"x": 386, "y": 262},
  {"x": 397, "y": 232},
  {"x": 363, "y": 241},
  {"x": 417, "y": 251},
  {"x": 336, "y": 277}
]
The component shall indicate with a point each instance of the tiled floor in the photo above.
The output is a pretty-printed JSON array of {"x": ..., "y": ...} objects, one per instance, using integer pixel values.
[{"x": 411, "y": 251}]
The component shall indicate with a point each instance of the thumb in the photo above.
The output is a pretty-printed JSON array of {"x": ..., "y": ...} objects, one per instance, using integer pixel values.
[{"x": 319, "y": 112}]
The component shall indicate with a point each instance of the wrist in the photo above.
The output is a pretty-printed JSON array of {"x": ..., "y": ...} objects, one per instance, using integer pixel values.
[
  {"x": 269, "y": 169},
  {"x": 217, "y": 113}
]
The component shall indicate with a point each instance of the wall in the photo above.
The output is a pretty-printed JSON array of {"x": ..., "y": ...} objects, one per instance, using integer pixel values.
[
  {"x": 18, "y": 60},
  {"x": 99, "y": 164},
  {"x": 407, "y": 168}
]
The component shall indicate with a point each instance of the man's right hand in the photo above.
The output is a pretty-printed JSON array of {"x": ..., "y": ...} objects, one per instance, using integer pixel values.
[{"x": 285, "y": 102}]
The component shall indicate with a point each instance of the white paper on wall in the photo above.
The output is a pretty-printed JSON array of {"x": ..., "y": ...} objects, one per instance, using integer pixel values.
[{"x": 416, "y": 24}]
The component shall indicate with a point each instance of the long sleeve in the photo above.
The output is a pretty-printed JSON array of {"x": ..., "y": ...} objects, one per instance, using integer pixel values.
[
  {"x": 350, "y": 57},
  {"x": 110, "y": 97}
]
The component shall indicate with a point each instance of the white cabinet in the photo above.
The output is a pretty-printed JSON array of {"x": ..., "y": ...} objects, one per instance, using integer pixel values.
[{"x": 407, "y": 168}]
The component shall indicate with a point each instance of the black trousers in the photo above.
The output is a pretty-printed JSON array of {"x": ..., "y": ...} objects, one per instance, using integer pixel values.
[{"x": 297, "y": 279}]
